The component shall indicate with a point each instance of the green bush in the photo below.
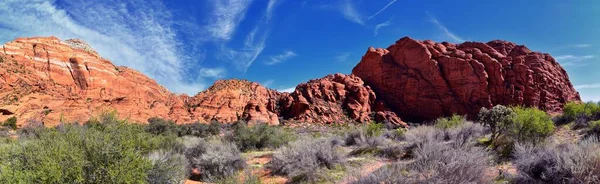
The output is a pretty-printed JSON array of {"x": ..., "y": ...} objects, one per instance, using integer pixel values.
[
  {"x": 259, "y": 136},
  {"x": 450, "y": 122},
  {"x": 11, "y": 123},
  {"x": 111, "y": 151},
  {"x": 531, "y": 125},
  {"x": 199, "y": 130},
  {"x": 499, "y": 120},
  {"x": 159, "y": 126},
  {"x": 574, "y": 110}
]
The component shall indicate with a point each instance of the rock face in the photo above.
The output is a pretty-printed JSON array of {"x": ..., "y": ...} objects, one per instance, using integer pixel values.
[
  {"x": 232, "y": 100},
  {"x": 423, "y": 80},
  {"x": 48, "y": 80},
  {"x": 335, "y": 98}
]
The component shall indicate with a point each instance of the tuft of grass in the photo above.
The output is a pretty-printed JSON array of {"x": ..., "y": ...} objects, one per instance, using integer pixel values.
[{"x": 450, "y": 122}]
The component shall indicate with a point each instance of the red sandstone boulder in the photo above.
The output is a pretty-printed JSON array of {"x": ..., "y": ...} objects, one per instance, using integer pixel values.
[
  {"x": 335, "y": 98},
  {"x": 424, "y": 80}
]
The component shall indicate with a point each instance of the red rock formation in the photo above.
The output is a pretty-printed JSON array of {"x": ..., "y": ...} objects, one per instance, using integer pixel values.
[
  {"x": 232, "y": 100},
  {"x": 335, "y": 98},
  {"x": 423, "y": 80},
  {"x": 46, "y": 79}
]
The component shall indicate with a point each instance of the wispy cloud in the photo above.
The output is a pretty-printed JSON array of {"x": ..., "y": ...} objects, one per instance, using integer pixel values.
[
  {"x": 385, "y": 7},
  {"x": 281, "y": 57},
  {"x": 268, "y": 83},
  {"x": 271, "y": 8},
  {"x": 381, "y": 25},
  {"x": 225, "y": 17},
  {"x": 212, "y": 72},
  {"x": 584, "y": 45},
  {"x": 135, "y": 33},
  {"x": 342, "y": 57},
  {"x": 288, "y": 90},
  {"x": 587, "y": 86},
  {"x": 572, "y": 60},
  {"x": 350, "y": 12},
  {"x": 447, "y": 33}
]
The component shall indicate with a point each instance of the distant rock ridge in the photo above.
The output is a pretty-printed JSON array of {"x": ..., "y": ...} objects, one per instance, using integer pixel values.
[
  {"x": 49, "y": 80},
  {"x": 424, "y": 80}
]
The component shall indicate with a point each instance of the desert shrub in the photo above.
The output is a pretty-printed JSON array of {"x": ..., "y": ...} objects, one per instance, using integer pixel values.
[
  {"x": 33, "y": 128},
  {"x": 167, "y": 167},
  {"x": 436, "y": 162},
  {"x": 259, "y": 136},
  {"x": 550, "y": 163},
  {"x": 113, "y": 153},
  {"x": 305, "y": 160},
  {"x": 424, "y": 134},
  {"x": 531, "y": 124},
  {"x": 214, "y": 159},
  {"x": 594, "y": 129},
  {"x": 11, "y": 123},
  {"x": 499, "y": 120},
  {"x": 575, "y": 110},
  {"x": 466, "y": 133},
  {"x": 159, "y": 126},
  {"x": 395, "y": 134},
  {"x": 450, "y": 122},
  {"x": 370, "y": 145}
]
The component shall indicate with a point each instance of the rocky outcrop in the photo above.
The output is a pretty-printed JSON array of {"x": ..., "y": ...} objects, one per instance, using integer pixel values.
[
  {"x": 423, "y": 80},
  {"x": 232, "y": 100},
  {"x": 334, "y": 99},
  {"x": 49, "y": 80}
]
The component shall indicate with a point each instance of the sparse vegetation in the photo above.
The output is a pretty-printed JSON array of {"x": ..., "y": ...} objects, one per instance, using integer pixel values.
[
  {"x": 564, "y": 163},
  {"x": 259, "y": 136}
]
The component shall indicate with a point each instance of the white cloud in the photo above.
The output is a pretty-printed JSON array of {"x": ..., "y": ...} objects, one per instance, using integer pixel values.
[
  {"x": 585, "y": 45},
  {"x": 225, "y": 17},
  {"x": 572, "y": 60},
  {"x": 447, "y": 33},
  {"x": 350, "y": 12},
  {"x": 288, "y": 90},
  {"x": 271, "y": 8},
  {"x": 268, "y": 83},
  {"x": 212, "y": 72},
  {"x": 134, "y": 33},
  {"x": 381, "y": 25},
  {"x": 342, "y": 57},
  {"x": 281, "y": 57},
  {"x": 385, "y": 7},
  {"x": 587, "y": 86}
]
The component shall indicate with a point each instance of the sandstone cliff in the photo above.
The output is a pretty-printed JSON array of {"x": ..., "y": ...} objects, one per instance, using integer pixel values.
[{"x": 423, "y": 80}]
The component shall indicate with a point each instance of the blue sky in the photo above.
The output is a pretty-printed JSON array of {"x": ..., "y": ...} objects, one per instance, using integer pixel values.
[{"x": 187, "y": 44}]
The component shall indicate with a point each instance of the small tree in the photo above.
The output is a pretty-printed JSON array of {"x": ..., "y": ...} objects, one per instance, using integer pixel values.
[
  {"x": 498, "y": 119},
  {"x": 11, "y": 122}
]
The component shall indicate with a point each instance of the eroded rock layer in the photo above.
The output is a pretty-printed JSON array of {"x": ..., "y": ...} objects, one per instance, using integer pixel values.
[
  {"x": 335, "y": 98},
  {"x": 423, "y": 80}
]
